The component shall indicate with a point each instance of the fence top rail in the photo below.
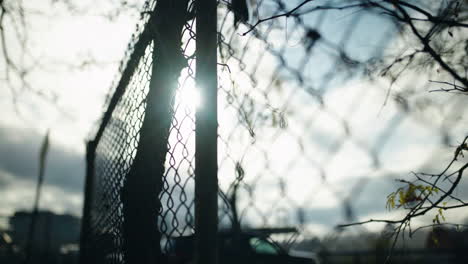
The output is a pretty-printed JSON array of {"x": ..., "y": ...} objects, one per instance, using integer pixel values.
[
  {"x": 129, "y": 63},
  {"x": 127, "y": 73}
]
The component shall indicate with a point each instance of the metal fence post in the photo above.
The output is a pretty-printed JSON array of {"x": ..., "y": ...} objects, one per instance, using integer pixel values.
[
  {"x": 86, "y": 217},
  {"x": 144, "y": 182},
  {"x": 206, "y": 164}
]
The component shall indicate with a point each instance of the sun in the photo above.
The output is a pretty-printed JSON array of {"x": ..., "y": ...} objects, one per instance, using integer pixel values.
[{"x": 189, "y": 96}]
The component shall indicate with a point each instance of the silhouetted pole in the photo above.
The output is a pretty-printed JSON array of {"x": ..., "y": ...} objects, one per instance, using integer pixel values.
[
  {"x": 35, "y": 211},
  {"x": 88, "y": 198},
  {"x": 144, "y": 182},
  {"x": 206, "y": 152}
]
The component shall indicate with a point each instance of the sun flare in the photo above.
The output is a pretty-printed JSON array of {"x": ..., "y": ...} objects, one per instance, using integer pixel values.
[{"x": 189, "y": 97}]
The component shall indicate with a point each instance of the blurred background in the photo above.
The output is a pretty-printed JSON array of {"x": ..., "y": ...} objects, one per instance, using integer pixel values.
[{"x": 322, "y": 109}]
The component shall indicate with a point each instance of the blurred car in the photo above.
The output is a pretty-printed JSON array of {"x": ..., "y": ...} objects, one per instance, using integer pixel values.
[{"x": 246, "y": 247}]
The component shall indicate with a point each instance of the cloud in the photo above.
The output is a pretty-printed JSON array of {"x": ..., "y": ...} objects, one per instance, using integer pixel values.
[
  {"x": 18, "y": 194},
  {"x": 19, "y": 150}
]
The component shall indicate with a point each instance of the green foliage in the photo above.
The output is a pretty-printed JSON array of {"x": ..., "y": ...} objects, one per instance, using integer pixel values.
[
  {"x": 439, "y": 215},
  {"x": 409, "y": 195}
]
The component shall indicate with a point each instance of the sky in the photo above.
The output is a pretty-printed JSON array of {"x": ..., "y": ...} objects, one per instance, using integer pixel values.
[
  {"x": 321, "y": 177},
  {"x": 356, "y": 145},
  {"x": 63, "y": 43}
]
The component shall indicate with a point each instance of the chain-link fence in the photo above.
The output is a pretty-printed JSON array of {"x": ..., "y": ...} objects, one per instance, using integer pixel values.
[
  {"x": 305, "y": 127},
  {"x": 113, "y": 207}
]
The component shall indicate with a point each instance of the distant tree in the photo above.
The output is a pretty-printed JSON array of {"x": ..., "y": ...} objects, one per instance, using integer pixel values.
[{"x": 20, "y": 59}]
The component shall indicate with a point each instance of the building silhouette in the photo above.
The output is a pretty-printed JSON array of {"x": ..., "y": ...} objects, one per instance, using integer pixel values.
[{"x": 55, "y": 240}]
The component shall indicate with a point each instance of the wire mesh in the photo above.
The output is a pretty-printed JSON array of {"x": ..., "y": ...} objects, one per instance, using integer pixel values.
[
  {"x": 307, "y": 125},
  {"x": 115, "y": 153},
  {"x": 304, "y": 125},
  {"x": 117, "y": 142}
]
